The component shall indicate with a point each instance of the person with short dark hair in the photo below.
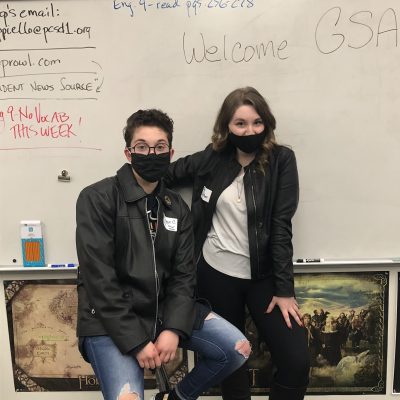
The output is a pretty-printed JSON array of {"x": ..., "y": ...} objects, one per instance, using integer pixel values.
[
  {"x": 136, "y": 280},
  {"x": 245, "y": 193}
]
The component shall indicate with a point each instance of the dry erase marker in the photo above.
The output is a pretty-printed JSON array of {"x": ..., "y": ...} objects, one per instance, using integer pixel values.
[
  {"x": 309, "y": 260},
  {"x": 69, "y": 265}
]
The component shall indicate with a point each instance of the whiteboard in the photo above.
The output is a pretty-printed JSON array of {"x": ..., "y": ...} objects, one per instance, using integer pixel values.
[{"x": 71, "y": 72}]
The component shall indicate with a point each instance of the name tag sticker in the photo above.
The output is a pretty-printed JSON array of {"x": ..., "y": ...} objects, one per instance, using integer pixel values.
[
  {"x": 171, "y": 224},
  {"x": 206, "y": 194}
]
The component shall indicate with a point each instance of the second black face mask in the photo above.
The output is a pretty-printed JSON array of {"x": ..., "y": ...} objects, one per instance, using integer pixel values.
[
  {"x": 248, "y": 144},
  {"x": 151, "y": 167}
]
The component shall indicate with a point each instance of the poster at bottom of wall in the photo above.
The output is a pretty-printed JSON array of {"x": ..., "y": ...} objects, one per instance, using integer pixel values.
[
  {"x": 345, "y": 323},
  {"x": 45, "y": 357}
]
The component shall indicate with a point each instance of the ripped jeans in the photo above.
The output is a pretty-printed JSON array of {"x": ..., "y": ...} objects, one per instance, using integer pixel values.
[{"x": 214, "y": 343}]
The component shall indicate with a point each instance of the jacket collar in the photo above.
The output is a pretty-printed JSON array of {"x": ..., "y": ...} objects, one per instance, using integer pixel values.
[{"x": 132, "y": 191}]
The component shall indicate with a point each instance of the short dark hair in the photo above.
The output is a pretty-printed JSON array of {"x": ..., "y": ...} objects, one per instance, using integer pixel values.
[{"x": 151, "y": 117}]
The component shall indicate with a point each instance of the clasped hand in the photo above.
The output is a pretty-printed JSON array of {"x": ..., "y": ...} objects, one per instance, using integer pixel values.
[{"x": 162, "y": 351}]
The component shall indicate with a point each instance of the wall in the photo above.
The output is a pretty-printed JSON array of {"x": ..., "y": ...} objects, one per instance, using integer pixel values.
[{"x": 73, "y": 71}]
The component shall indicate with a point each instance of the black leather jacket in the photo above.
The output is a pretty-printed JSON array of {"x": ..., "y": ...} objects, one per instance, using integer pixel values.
[
  {"x": 126, "y": 284},
  {"x": 271, "y": 200}
]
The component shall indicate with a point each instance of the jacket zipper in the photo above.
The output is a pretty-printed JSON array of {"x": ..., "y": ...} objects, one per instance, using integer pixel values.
[
  {"x": 255, "y": 218},
  {"x": 199, "y": 256},
  {"x": 155, "y": 266}
]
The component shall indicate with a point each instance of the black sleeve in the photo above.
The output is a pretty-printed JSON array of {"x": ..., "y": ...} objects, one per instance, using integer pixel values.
[
  {"x": 285, "y": 205},
  {"x": 183, "y": 171}
]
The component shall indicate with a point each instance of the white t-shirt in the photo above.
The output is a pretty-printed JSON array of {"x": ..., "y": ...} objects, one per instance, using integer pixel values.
[{"x": 226, "y": 248}]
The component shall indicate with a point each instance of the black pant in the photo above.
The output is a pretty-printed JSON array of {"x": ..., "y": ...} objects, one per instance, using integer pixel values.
[{"x": 228, "y": 297}]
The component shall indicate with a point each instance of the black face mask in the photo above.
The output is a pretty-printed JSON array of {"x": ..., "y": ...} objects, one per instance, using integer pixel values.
[
  {"x": 151, "y": 167},
  {"x": 248, "y": 144}
]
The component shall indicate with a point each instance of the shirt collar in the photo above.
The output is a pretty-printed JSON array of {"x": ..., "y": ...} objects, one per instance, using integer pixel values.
[{"x": 132, "y": 191}]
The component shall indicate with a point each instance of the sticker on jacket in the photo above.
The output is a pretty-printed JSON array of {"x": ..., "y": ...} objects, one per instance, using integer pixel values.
[
  {"x": 171, "y": 224},
  {"x": 206, "y": 194}
]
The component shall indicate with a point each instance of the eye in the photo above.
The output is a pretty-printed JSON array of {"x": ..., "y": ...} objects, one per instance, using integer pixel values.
[
  {"x": 141, "y": 147},
  {"x": 161, "y": 147},
  {"x": 259, "y": 122}
]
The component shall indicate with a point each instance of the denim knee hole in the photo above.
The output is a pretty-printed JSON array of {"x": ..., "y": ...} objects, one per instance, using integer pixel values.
[
  {"x": 243, "y": 347},
  {"x": 211, "y": 315},
  {"x": 126, "y": 394}
]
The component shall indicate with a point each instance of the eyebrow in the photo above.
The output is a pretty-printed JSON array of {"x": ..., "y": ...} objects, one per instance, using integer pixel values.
[
  {"x": 144, "y": 141},
  {"x": 243, "y": 119}
]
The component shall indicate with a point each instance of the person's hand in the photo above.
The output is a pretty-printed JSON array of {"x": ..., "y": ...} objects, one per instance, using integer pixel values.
[
  {"x": 166, "y": 345},
  {"x": 148, "y": 357},
  {"x": 288, "y": 306}
]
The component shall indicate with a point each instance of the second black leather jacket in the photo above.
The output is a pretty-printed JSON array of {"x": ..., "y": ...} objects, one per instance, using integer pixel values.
[
  {"x": 271, "y": 201},
  {"x": 127, "y": 284}
]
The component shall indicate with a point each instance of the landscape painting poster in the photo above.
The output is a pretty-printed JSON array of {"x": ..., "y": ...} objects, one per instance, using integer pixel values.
[
  {"x": 42, "y": 318},
  {"x": 345, "y": 323}
]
